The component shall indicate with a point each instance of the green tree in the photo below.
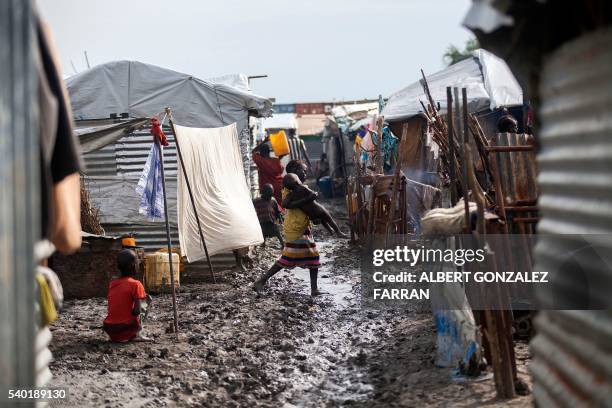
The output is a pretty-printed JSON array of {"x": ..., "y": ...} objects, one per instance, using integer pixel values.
[{"x": 454, "y": 54}]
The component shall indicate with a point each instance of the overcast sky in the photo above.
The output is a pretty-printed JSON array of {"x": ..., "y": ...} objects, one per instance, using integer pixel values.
[{"x": 312, "y": 50}]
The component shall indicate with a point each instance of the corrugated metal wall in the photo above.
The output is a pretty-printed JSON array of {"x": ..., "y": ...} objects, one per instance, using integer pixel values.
[
  {"x": 127, "y": 158},
  {"x": 19, "y": 196},
  {"x": 573, "y": 349}
]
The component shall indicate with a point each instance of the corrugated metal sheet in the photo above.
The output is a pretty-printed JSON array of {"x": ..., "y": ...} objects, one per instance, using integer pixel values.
[
  {"x": 132, "y": 152},
  {"x": 573, "y": 349},
  {"x": 102, "y": 162},
  {"x": 314, "y": 147},
  {"x": 19, "y": 196},
  {"x": 126, "y": 158}
]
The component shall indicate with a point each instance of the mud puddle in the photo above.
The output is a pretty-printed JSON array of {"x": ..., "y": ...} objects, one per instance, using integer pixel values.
[{"x": 235, "y": 349}]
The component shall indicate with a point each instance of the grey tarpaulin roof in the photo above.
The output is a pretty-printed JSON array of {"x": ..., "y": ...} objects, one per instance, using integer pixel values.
[
  {"x": 489, "y": 82},
  {"x": 143, "y": 90},
  {"x": 100, "y": 133}
]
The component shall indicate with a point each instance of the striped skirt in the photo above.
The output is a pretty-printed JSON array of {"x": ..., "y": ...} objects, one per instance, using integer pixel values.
[{"x": 301, "y": 252}]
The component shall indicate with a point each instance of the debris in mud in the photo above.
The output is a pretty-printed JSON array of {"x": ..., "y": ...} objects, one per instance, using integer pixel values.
[{"x": 235, "y": 349}]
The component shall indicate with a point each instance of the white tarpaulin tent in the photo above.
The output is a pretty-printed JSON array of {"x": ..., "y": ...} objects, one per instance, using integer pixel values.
[
  {"x": 142, "y": 90},
  {"x": 488, "y": 80},
  {"x": 239, "y": 81},
  {"x": 281, "y": 121},
  {"x": 350, "y": 109}
]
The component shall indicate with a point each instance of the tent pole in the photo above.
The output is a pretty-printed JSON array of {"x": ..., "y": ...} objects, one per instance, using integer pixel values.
[
  {"x": 195, "y": 211},
  {"x": 168, "y": 238}
]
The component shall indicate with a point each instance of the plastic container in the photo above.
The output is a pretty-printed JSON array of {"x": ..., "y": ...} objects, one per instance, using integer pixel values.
[
  {"x": 157, "y": 272},
  {"x": 128, "y": 242},
  {"x": 279, "y": 143},
  {"x": 325, "y": 184}
]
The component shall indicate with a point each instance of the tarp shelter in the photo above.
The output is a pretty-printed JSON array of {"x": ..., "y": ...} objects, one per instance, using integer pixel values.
[
  {"x": 94, "y": 135},
  {"x": 138, "y": 91},
  {"x": 490, "y": 86},
  {"x": 281, "y": 121},
  {"x": 355, "y": 109},
  {"x": 310, "y": 125},
  {"x": 338, "y": 139},
  {"x": 489, "y": 82}
]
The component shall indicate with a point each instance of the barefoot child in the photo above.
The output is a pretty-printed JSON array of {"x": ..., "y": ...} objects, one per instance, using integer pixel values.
[
  {"x": 300, "y": 249},
  {"x": 269, "y": 213},
  {"x": 126, "y": 300},
  {"x": 299, "y": 193}
]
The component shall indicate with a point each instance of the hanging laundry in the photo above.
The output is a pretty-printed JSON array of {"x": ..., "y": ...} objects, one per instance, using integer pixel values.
[
  {"x": 54, "y": 284},
  {"x": 389, "y": 148},
  {"x": 48, "y": 312},
  {"x": 213, "y": 165},
  {"x": 150, "y": 187},
  {"x": 157, "y": 132}
]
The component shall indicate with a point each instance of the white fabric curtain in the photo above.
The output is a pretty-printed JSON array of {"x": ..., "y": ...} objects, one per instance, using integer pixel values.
[{"x": 214, "y": 167}]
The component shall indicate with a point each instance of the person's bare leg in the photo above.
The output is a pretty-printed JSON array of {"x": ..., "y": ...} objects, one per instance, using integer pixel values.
[
  {"x": 260, "y": 283},
  {"x": 280, "y": 238},
  {"x": 239, "y": 260},
  {"x": 314, "y": 289},
  {"x": 140, "y": 338}
]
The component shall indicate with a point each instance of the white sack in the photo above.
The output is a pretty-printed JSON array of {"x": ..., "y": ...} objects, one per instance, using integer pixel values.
[{"x": 222, "y": 198}]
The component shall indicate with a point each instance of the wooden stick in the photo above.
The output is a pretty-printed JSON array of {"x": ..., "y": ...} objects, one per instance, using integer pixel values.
[
  {"x": 464, "y": 181},
  {"x": 168, "y": 237},
  {"x": 451, "y": 144},
  {"x": 195, "y": 211},
  {"x": 395, "y": 188},
  {"x": 379, "y": 130}
]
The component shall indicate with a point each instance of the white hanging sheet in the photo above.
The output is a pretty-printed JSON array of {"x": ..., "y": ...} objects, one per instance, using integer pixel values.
[{"x": 214, "y": 167}]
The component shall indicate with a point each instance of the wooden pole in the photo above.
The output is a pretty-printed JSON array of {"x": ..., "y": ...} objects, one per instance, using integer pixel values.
[
  {"x": 168, "y": 237},
  {"x": 464, "y": 181},
  {"x": 379, "y": 153},
  {"x": 195, "y": 211},
  {"x": 451, "y": 146},
  {"x": 395, "y": 188}
]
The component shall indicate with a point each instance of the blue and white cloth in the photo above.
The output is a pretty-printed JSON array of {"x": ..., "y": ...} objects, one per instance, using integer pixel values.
[{"x": 150, "y": 187}]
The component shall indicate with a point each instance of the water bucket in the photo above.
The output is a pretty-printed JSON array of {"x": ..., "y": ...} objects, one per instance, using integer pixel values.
[
  {"x": 157, "y": 272},
  {"x": 279, "y": 143},
  {"x": 325, "y": 185}
]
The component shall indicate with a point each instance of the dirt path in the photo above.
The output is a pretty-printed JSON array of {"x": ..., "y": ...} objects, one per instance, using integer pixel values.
[{"x": 283, "y": 349}]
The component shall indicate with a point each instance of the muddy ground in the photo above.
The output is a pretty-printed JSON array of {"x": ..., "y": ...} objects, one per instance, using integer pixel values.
[{"x": 284, "y": 349}]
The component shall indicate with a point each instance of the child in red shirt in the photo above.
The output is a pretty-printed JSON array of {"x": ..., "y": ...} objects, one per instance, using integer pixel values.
[{"x": 126, "y": 300}]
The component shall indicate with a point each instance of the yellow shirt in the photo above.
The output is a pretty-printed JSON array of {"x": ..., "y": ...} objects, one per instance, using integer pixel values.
[{"x": 296, "y": 221}]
